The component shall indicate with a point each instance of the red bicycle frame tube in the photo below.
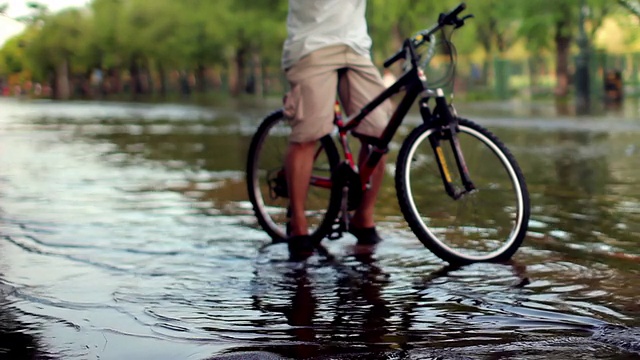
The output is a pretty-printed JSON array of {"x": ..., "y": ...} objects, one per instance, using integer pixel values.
[{"x": 410, "y": 82}]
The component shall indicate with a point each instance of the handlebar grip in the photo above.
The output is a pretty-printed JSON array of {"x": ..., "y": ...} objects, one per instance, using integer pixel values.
[
  {"x": 458, "y": 10},
  {"x": 397, "y": 56},
  {"x": 451, "y": 17}
]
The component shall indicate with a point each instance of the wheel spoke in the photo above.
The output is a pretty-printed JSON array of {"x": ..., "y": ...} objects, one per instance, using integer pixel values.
[
  {"x": 266, "y": 181},
  {"x": 481, "y": 225}
]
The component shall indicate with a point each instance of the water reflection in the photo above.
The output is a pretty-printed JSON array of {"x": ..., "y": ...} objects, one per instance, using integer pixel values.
[
  {"x": 361, "y": 311},
  {"x": 16, "y": 339},
  {"x": 347, "y": 304},
  {"x": 332, "y": 306}
]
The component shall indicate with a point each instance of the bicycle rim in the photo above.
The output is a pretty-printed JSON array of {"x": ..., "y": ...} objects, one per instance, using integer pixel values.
[
  {"x": 265, "y": 170},
  {"x": 488, "y": 224}
]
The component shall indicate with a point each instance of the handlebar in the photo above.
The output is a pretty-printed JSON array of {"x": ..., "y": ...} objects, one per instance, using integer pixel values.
[
  {"x": 450, "y": 18},
  {"x": 392, "y": 60}
]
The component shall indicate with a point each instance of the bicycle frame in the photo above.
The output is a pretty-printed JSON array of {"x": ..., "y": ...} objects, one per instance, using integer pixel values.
[
  {"x": 483, "y": 226},
  {"x": 413, "y": 82}
]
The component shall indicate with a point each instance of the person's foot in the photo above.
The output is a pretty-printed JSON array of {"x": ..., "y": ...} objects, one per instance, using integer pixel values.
[
  {"x": 300, "y": 247},
  {"x": 365, "y": 236}
]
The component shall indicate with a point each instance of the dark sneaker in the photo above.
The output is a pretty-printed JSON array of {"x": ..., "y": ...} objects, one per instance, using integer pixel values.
[
  {"x": 300, "y": 247},
  {"x": 366, "y": 236}
]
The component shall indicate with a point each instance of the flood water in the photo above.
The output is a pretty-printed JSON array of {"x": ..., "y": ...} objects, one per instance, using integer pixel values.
[{"x": 125, "y": 233}]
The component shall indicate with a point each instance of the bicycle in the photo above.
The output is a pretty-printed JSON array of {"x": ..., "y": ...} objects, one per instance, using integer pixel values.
[{"x": 477, "y": 213}]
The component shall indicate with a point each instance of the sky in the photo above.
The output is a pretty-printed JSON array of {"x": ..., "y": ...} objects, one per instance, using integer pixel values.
[
  {"x": 8, "y": 29},
  {"x": 17, "y": 8}
]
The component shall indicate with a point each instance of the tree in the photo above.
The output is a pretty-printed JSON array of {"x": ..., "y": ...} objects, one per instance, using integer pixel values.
[
  {"x": 58, "y": 46},
  {"x": 553, "y": 24},
  {"x": 495, "y": 24},
  {"x": 496, "y": 29},
  {"x": 257, "y": 34},
  {"x": 242, "y": 39},
  {"x": 12, "y": 56},
  {"x": 144, "y": 35},
  {"x": 390, "y": 22},
  {"x": 206, "y": 35}
]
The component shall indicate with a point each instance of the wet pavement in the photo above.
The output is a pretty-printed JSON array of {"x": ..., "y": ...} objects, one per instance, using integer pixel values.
[{"x": 125, "y": 233}]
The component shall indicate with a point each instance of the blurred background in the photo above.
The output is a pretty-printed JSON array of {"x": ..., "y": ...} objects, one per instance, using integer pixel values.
[
  {"x": 126, "y": 233},
  {"x": 163, "y": 49}
]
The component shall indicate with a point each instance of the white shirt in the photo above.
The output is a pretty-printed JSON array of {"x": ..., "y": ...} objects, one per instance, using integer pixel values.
[{"x": 314, "y": 24}]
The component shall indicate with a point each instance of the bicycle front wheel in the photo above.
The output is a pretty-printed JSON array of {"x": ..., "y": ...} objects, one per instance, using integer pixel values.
[
  {"x": 485, "y": 225},
  {"x": 267, "y": 186}
]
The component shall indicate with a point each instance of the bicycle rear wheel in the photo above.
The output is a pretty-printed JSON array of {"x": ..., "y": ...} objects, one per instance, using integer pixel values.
[
  {"x": 486, "y": 225},
  {"x": 267, "y": 186}
]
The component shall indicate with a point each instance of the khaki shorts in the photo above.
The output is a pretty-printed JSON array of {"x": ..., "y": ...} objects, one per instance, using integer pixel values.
[{"x": 314, "y": 82}]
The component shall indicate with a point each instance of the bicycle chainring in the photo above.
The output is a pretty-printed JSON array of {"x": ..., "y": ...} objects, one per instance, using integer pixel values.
[{"x": 277, "y": 184}]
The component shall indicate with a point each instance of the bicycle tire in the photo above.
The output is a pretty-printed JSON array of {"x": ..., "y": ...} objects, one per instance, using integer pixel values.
[
  {"x": 505, "y": 226},
  {"x": 273, "y": 218}
]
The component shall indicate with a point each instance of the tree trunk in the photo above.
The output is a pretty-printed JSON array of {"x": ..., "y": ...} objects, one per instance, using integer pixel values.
[
  {"x": 136, "y": 83},
  {"x": 62, "y": 88},
  {"x": 201, "y": 79},
  {"x": 397, "y": 37},
  {"x": 237, "y": 73},
  {"x": 258, "y": 78},
  {"x": 148, "y": 86},
  {"x": 52, "y": 80},
  {"x": 163, "y": 80},
  {"x": 114, "y": 83},
  {"x": 534, "y": 73},
  {"x": 486, "y": 70},
  {"x": 563, "y": 42},
  {"x": 185, "y": 87},
  {"x": 232, "y": 77}
]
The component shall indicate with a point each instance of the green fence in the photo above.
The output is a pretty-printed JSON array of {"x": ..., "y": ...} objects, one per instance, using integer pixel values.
[{"x": 535, "y": 77}]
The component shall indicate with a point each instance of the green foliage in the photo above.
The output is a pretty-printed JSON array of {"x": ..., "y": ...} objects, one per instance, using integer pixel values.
[
  {"x": 259, "y": 26},
  {"x": 390, "y": 22},
  {"x": 193, "y": 35},
  {"x": 62, "y": 37},
  {"x": 631, "y": 5},
  {"x": 543, "y": 21},
  {"x": 12, "y": 57},
  {"x": 496, "y": 24}
]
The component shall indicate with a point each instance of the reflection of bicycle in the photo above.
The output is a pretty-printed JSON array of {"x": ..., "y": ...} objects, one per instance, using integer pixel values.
[{"x": 481, "y": 215}]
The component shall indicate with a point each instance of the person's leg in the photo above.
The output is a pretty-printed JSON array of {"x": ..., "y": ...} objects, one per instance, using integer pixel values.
[
  {"x": 309, "y": 106},
  {"x": 360, "y": 84},
  {"x": 364, "y": 214},
  {"x": 298, "y": 168},
  {"x": 363, "y": 217}
]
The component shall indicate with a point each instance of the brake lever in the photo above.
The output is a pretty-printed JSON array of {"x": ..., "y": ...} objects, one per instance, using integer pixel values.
[{"x": 460, "y": 22}]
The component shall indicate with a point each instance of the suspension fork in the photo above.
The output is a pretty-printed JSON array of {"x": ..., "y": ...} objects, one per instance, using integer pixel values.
[{"x": 446, "y": 128}]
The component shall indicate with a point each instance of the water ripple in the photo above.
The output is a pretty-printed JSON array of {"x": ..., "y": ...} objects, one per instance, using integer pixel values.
[{"x": 125, "y": 230}]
